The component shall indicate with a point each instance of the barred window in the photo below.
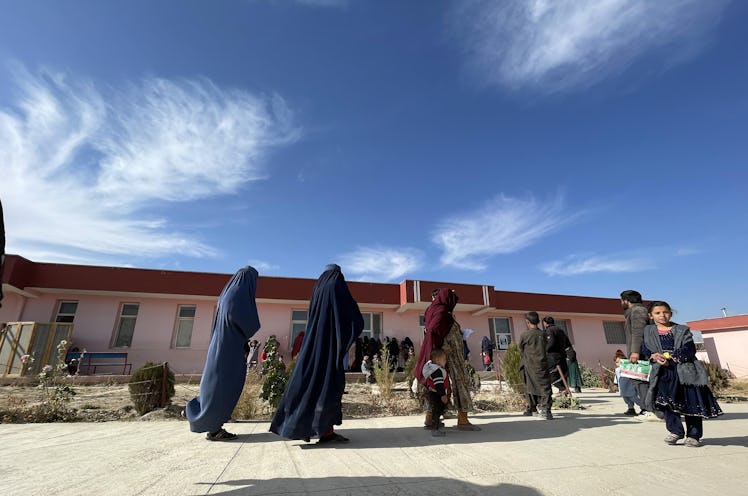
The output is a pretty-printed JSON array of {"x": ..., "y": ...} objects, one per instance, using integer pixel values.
[{"x": 614, "y": 333}]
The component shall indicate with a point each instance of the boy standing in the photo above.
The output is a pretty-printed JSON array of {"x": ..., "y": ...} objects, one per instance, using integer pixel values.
[{"x": 437, "y": 382}]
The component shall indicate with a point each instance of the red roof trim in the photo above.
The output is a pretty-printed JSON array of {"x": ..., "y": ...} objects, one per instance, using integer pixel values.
[{"x": 22, "y": 273}]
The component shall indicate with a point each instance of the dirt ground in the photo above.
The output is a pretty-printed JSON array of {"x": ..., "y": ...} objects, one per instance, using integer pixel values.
[{"x": 106, "y": 402}]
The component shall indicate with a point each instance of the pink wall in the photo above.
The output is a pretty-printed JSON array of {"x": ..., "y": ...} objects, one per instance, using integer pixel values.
[
  {"x": 728, "y": 349},
  {"x": 97, "y": 315}
]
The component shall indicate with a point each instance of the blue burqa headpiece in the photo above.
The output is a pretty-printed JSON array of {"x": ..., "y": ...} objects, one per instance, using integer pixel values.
[
  {"x": 312, "y": 401},
  {"x": 226, "y": 366}
]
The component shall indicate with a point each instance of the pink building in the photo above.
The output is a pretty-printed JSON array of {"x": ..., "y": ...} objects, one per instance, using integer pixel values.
[
  {"x": 164, "y": 315},
  {"x": 725, "y": 342}
]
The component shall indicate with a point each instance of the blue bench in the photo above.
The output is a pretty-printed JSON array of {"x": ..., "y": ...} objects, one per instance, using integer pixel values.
[{"x": 93, "y": 359}]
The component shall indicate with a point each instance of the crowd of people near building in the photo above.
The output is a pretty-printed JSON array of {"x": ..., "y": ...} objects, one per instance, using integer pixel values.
[{"x": 676, "y": 388}]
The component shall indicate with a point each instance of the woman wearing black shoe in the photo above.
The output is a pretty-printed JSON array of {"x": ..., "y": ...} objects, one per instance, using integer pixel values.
[{"x": 312, "y": 402}]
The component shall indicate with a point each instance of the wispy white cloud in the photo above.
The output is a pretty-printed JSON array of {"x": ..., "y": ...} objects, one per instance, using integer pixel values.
[
  {"x": 555, "y": 45},
  {"x": 263, "y": 267},
  {"x": 587, "y": 264},
  {"x": 502, "y": 225},
  {"x": 85, "y": 168},
  {"x": 380, "y": 263}
]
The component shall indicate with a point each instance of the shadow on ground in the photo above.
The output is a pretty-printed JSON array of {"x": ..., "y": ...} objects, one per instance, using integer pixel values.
[{"x": 361, "y": 486}]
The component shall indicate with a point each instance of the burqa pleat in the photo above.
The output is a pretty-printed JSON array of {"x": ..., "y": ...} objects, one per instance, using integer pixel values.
[
  {"x": 226, "y": 367},
  {"x": 312, "y": 401}
]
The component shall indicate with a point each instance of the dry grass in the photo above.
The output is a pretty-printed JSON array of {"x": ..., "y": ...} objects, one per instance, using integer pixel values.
[{"x": 99, "y": 403}]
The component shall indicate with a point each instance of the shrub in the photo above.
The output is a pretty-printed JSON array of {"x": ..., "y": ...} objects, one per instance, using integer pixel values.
[
  {"x": 718, "y": 377},
  {"x": 382, "y": 375},
  {"x": 274, "y": 373},
  {"x": 568, "y": 402},
  {"x": 146, "y": 387},
  {"x": 590, "y": 378},
  {"x": 410, "y": 366},
  {"x": 250, "y": 404},
  {"x": 510, "y": 368}
]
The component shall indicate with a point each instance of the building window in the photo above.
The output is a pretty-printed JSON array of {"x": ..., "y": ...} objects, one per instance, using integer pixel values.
[
  {"x": 698, "y": 340},
  {"x": 66, "y": 311},
  {"x": 298, "y": 323},
  {"x": 126, "y": 325},
  {"x": 614, "y": 333},
  {"x": 422, "y": 321},
  {"x": 185, "y": 322},
  {"x": 372, "y": 325},
  {"x": 501, "y": 332}
]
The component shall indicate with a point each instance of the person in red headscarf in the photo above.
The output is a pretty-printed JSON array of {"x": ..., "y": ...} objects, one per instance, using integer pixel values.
[{"x": 443, "y": 331}]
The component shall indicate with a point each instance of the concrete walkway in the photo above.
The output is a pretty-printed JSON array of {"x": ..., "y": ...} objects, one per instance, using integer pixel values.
[{"x": 596, "y": 451}]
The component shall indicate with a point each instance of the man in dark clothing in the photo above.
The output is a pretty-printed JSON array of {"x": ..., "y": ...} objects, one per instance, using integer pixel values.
[
  {"x": 555, "y": 346},
  {"x": 534, "y": 368},
  {"x": 637, "y": 318}
]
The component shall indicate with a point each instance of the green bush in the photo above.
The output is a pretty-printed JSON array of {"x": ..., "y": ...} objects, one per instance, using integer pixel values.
[
  {"x": 146, "y": 386},
  {"x": 274, "y": 373},
  {"x": 718, "y": 377},
  {"x": 510, "y": 368},
  {"x": 590, "y": 378}
]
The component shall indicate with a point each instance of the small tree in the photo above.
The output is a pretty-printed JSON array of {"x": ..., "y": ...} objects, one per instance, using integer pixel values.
[
  {"x": 512, "y": 358},
  {"x": 147, "y": 387},
  {"x": 384, "y": 378},
  {"x": 274, "y": 372}
]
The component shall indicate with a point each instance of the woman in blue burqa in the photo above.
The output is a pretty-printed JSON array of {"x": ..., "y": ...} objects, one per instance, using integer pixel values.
[
  {"x": 226, "y": 365},
  {"x": 312, "y": 402}
]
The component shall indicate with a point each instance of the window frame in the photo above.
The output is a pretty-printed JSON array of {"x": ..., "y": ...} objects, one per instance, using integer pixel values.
[
  {"x": 372, "y": 333},
  {"x": 178, "y": 320},
  {"x": 499, "y": 345},
  {"x": 121, "y": 317},
  {"x": 609, "y": 333},
  {"x": 294, "y": 322},
  {"x": 59, "y": 314}
]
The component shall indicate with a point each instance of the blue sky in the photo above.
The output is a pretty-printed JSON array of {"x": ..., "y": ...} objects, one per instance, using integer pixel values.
[{"x": 572, "y": 147}]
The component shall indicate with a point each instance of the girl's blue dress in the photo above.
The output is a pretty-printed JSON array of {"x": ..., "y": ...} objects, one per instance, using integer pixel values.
[{"x": 695, "y": 401}]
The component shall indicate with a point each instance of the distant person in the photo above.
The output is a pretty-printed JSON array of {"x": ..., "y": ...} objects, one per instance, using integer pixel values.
[
  {"x": 625, "y": 386},
  {"x": 2, "y": 251},
  {"x": 534, "y": 368},
  {"x": 555, "y": 347},
  {"x": 437, "y": 382},
  {"x": 486, "y": 359},
  {"x": 226, "y": 366},
  {"x": 487, "y": 346},
  {"x": 574, "y": 376},
  {"x": 312, "y": 403},
  {"x": 297, "y": 342},
  {"x": 443, "y": 331},
  {"x": 679, "y": 383},
  {"x": 393, "y": 351},
  {"x": 253, "y": 353},
  {"x": 637, "y": 318},
  {"x": 366, "y": 368}
]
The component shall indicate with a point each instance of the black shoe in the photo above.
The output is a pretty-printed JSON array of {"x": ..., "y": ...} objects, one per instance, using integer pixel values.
[
  {"x": 220, "y": 435},
  {"x": 527, "y": 413},
  {"x": 630, "y": 412},
  {"x": 333, "y": 437},
  {"x": 577, "y": 390},
  {"x": 643, "y": 412}
]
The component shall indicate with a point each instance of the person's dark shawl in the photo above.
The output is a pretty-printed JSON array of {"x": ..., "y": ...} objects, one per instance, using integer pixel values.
[
  {"x": 534, "y": 363},
  {"x": 312, "y": 401},
  {"x": 226, "y": 366},
  {"x": 438, "y": 321}
]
